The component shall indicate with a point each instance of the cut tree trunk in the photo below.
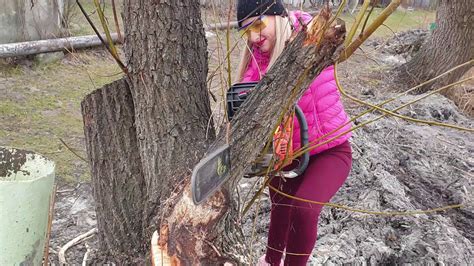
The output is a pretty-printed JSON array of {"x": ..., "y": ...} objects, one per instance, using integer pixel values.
[
  {"x": 191, "y": 235},
  {"x": 117, "y": 176},
  {"x": 450, "y": 44}
]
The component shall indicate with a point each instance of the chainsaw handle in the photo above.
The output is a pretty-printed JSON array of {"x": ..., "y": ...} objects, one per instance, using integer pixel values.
[{"x": 303, "y": 164}]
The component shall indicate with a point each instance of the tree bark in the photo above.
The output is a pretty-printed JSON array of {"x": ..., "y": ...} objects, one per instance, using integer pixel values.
[
  {"x": 450, "y": 44},
  {"x": 117, "y": 176},
  {"x": 166, "y": 55}
]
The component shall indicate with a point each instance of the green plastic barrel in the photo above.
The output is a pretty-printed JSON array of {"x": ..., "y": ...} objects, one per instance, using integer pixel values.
[{"x": 26, "y": 186}]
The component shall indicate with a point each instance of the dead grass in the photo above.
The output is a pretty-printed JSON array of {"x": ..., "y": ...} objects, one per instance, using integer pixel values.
[{"x": 40, "y": 104}]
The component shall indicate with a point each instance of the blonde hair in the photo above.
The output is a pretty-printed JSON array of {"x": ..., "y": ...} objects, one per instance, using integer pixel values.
[{"x": 283, "y": 32}]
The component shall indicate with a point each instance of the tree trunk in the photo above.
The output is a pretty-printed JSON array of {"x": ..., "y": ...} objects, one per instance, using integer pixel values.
[
  {"x": 166, "y": 56},
  {"x": 117, "y": 177},
  {"x": 450, "y": 44}
]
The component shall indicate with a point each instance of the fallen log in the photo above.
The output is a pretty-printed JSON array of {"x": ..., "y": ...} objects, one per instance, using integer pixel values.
[{"x": 51, "y": 45}]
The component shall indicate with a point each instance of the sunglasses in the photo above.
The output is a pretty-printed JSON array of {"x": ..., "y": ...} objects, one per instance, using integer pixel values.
[{"x": 256, "y": 26}]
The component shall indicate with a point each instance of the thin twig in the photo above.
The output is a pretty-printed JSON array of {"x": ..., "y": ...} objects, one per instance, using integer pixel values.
[
  {"x": 392, "y": 113},
  {"x": 312, "y": 145},
  {"x": 450, "y": 143},
  {"x": 117, "y": 25},
  {"x": 297, "y": 154},
  {"x": 229, "y": 69},
  {"x": 371, "y": 212},
  {"x": 246, "y": 198},
  {"x": 212, "y": 246},
  {"x": 71, "y": 150},
  {"x": 370, "y": 29},
  {"x": 309, "y": 147},
  {"x": 390, "y": 29},
  {"x": 119, "y": 62},
  {"x": 366, "y": 20},
  {"x": 356, "y": 23},
  {"x": 368, "y": 57}
]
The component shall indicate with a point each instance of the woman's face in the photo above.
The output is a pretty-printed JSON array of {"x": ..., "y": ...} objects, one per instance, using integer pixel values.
[{"x": 261, "y": 32}]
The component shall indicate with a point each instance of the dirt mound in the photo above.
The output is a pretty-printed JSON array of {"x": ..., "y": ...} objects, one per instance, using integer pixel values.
[
  {"x": 400, "y": 166},
  {"x": 404, "y": 44},
  {"x": 401, "y": 48}
]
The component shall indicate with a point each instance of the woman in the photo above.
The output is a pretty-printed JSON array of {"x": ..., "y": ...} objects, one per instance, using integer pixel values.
[{"x": 293, "y": 224}]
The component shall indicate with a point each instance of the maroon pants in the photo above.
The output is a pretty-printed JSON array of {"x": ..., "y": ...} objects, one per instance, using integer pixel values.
[{"x": 293, "y": 224}]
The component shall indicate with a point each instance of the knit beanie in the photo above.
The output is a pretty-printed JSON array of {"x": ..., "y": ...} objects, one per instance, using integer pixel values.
[{"x": 253, "y": 8}]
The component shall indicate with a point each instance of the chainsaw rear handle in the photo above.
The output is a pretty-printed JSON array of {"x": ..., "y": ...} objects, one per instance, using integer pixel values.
[{"x": 304, "y": 159}]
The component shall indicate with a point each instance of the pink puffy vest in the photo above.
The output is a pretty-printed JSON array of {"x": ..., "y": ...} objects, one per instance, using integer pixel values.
[{"x": 320, "y": 103}]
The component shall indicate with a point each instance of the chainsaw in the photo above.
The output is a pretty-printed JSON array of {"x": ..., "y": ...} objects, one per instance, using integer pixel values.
[{"x": 214, "y": 169}]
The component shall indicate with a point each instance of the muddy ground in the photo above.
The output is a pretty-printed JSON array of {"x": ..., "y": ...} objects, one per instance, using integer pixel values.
[{"x": 398, "y": 165}]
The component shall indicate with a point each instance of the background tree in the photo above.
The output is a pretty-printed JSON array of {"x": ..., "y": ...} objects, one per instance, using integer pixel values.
[{"x": 450, "y": 44}]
